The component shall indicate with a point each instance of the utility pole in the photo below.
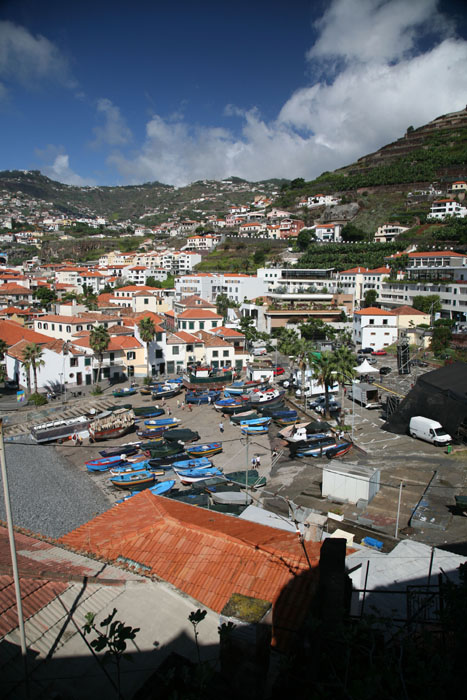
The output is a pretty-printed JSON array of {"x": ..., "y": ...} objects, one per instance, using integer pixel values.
[
  {"x": 14, "y": 560},
  {"x": 247, "y": 465},
  {"x": 398, "y": 509}
]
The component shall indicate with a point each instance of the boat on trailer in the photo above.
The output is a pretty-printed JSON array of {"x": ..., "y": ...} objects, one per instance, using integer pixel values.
[{"x": 113, "y": 426}]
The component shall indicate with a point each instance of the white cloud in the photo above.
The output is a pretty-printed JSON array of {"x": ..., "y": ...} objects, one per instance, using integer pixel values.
[
  {"x": 29, "y": 60},
  {"x": 60, "y": 169},
  {"x": 114, "y": 131},
  {"x": 383, "y": 85},
  {"x": 375, "y": 30}
]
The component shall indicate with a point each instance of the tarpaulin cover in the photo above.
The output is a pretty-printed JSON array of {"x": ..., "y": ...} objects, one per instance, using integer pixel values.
[{"x": 440, "y": 395}]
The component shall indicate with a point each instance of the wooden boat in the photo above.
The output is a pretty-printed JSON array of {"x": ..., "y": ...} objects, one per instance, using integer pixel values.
[
  {"x": 234, "y": 405},
  {"x": 59, "y": 430},
  {"x": 114, "y": 426},
  {"x": 166, "y": 461},
  {"x": 127, "y": 449},
  {"x": 244, "y": 478},
  {"x": 105, "y": 462},
  {"x": 304, "y": 431},
  {"x": 127, "y": 391},
  {"x": 282, "y": 422},
  {"x": 133, "y": 480},
  {"x": 181, "y": 435},
  {"x": 339, "y": 450},
  {"x": 152, "y": 433},
  {"x": 166, "y": 392},
  {"x": 191, "y": 476},
  {"x": 313, "y": 448},
  {"x": 231, "y": 497},
  {"x": 196, "y": 463},
  {"x": 162, "y": 487},
  {"x": 254, "y": 429},
  {"x": 162, "y": 422},
  {"x": 267, "y": 410},
  {"x": 165, "y": 449},
  {"x": 255, "y": 421},
  {"x": 148, "y": 411},
  {"x": 210, "y": 448},
  {"x": 130, "y": 468},
  {"x": 461, "y": 502},
  {"x": 199, "y": 398},
  {"x": 266, "y": 398},
  {"x": 246, "y": 415},
  {"x": 237, "y": 388}
]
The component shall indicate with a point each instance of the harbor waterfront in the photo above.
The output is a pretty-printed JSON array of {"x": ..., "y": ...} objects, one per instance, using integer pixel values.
[{"x": 53, "y": 492}]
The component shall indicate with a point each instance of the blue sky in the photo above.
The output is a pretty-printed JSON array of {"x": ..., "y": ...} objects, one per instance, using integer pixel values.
[{"x": 115, "y": 93}]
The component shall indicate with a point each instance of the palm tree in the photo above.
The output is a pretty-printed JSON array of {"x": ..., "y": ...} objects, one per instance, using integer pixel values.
[
  {"x": 324, "y": 369},
  {"x": 345, "y": 367},
  {"x": 147, "y": 331},
  {"x": 99, "y": 340},
  {"x": 32, "y": 354},
  {"x": 3, "y": 349},
  {"x": 27, "y": 369}
]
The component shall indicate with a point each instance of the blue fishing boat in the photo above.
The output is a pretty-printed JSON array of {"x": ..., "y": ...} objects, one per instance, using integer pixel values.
[
  {"x": 255, "y": 421},
  {"x": 201, "y": 397},
  {"x": 233, "y": 405},
  {"x": 190, "y": 476},
  {"x": 127, "y": 391},
  {"x": 133, "y": 480},
  {"x": 284, "y": 413},
  {"x": 152, "y": 433},
  {"x": 162, "y": 487},
  {"x": 166, "y": 391},
  {"x": 103, "y": 461},
  {"x": 196, "y": 463},
  {"x": 339, "y": 450},
  {"x": 210, "y": 448},
  {"x": 174, "y": 380},
  {"x": 266, "y": 397},
  {"x": 238, "y": 388},
  {"x": 126, "y": 468},
  {"x": 166, "y": 461},
  {"x": 162, "y": 422},
  {"x": 254, "y": 429}
]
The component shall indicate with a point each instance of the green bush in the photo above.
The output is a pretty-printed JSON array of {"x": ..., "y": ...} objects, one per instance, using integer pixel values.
[
  {"x": 97, "y": 390},
  {"x": 38, "y": 399}
]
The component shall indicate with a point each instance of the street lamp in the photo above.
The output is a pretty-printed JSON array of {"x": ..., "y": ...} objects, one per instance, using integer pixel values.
[{"x": 352, "y": 379}]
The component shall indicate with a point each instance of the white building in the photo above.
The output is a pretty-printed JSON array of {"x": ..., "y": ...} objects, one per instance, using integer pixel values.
[
  {"x": 441, "y": 208},
  {"x": 388, "y": 232},
  {"x": 328, "y": 233},
  {"x": 374, "y": 328},
  {"x": 208, "y": 285}
]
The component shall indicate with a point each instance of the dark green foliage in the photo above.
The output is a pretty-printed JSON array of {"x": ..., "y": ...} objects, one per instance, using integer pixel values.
[
  {"x": 429, "y": 304},
  {"x": 45, "y": 295},
  {"x": 344, "y": 256},
  {"x": 37, "y": 399},
  {"x": 370, "y": 298},
  {"x": 441, "y": 339},
  {"x": 350, "y": 232},
  {"x": 304, "y": 238}
]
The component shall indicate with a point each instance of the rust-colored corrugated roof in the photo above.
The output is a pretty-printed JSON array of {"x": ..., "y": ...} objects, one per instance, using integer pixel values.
[
  {"x": 199, "y": 314},
  {"x": 373, "y": 311},
  {"x": 207, "y": 555}
]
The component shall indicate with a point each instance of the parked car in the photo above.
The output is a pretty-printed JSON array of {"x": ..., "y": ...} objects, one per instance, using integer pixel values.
[
  {"x": 385, "y": 370},
  {"x": 366, "y": 351},
  {"x": 259, "y": 351},
  {"x": 333, "y": 407},
  {"x": 278, "y": 370},
  {"x": 418, "y": 363},
  {"x": 371, "y": 360},
  {"x": 379, "y": 352},
  {"x": 318, "y": 401}
]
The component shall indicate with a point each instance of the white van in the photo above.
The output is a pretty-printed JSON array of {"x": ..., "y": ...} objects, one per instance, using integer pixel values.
[{"x": 429, "y": 430}]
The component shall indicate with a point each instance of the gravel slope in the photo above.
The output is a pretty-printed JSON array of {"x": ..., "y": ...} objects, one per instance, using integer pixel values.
[{"x": 48, "y": 494}]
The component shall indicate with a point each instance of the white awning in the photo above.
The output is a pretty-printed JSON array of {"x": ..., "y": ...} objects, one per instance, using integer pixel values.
[{"x": 365, "y": 368}]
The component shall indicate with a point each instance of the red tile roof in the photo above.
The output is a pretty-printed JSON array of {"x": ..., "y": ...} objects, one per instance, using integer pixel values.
[
  {"x": 199, "y": 313},
  {"x": 121, "y": 342},
  {"x": 207, "y": 555},
  {"x": 409, "y": 311},
  {"x": 12, "y": 333},
  {"x": 373, "y": 311}
]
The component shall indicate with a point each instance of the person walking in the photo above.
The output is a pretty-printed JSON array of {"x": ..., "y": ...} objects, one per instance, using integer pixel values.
[
  {"x": 169, "y": 411},
  {"x": 178, "y": 403},
  {"x": 183, "y": 406},
  {"x": 253, "y": 462},
  {"x": 258, "y": 461},
  {"x": 190, "y": 407},
  {"x": 221, "y": 427}
]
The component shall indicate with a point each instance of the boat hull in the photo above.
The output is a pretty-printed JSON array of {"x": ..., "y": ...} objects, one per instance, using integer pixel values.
[{"x": 204, "y": 450}]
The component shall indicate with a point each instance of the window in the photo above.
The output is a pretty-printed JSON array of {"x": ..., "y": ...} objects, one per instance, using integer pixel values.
[
  {"x": 159, "y": 336},
  {"x": 372, "y": 321},
  {"x": 214, "y": 324},
  {"x": 60, "y": 327},
  {"x": 159, "y": 354},
  {"x": 215, "y": 353},
  {"x": 87, "y": 361},
  {"x": 39, "y": 325},
  {"x": 52, "y": 326},
  {"x": 175, "y": 350},
  {"x": 385, "y": 321},
  {"x": 225, "y": 353},
  {"x": 131, "y": 355},
  {"x": 68, "y": 329},
  {"x": 146, "y": 301},
  {"x": 74, "y": 362},
  {"x": 112, "y": 356},
  {"x": 201, "y": 325},
  {"x": 191, "y": 325},
  {"x": 79, "y": 328}
]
